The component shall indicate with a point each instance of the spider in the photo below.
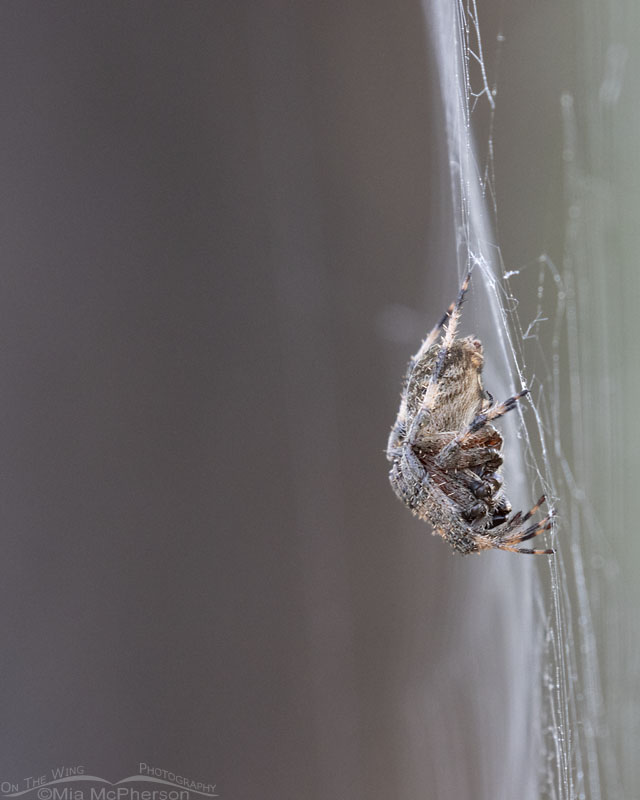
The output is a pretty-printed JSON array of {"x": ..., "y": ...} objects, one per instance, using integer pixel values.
[{"x": 446, "y": 457}]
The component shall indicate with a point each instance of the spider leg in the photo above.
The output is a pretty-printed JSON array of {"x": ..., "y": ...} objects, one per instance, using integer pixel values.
[
  {"x": 475, "y": 467},
  {"x": 525, "y": 550},
  {"x": 478, "y": 423},
  {"x": 431, "y": 338},
  {"x": 485, "y": 543},
  {"x": 408, "y": 477},
  {"x": 453, "y": 315},
  {"x": 415, "y": 477},
  {"x": 510, "y": 542},
  {"x": 397, "y": 434},
  {"x": 532, "y": 511},
  {"x": 495, "y": 412},
  {"x": 530, "y": 532},
  {"x": 449, "y": 335},
  {"x": 413, "y": 483},
  {"x": 475, "y": 457},
  {"x": 512, "y": 533},
  {"x": 517, "y": 520},
  {"x": 434, "y": 442},
  {"x": 500, "y": 511}
]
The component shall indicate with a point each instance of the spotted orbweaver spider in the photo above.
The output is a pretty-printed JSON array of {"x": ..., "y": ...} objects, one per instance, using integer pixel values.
[{"x": 446, "y": 457}]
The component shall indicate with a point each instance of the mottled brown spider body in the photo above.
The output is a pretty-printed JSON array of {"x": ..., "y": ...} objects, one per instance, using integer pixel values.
[{"x": 445, "y": 456}]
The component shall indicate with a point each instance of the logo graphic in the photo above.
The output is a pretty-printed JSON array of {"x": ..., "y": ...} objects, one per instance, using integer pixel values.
[{"x": 73, "y": 783}]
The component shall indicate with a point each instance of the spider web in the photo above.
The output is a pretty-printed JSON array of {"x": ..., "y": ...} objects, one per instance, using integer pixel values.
[{"x": 557, "y": 742}]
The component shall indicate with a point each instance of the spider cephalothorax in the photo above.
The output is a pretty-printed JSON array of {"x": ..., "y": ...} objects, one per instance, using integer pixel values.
[{"x": 445, "y": 456}]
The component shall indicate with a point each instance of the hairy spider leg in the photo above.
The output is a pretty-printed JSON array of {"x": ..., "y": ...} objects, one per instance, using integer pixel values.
[
  {"x": 495, "y": 412},
  {"x": 470, "y": 450},
  {"x": 515, "y": 519},
  {"x": 431, "y": 394},
  {"x": 412, "y": 474},
  {"x": 531, "y": 512},
  {"x": 526, "y": 552},
  {"x": 534, "y": 530},
  {"x": 447, "y": 340},
  {"x": 399, "y": 429},
  {"x": 431, "y": 338},
  {"x": 529, "y": 533},
  {"x": 509, "y": 541},
  {"x": 475, "y": 457}
]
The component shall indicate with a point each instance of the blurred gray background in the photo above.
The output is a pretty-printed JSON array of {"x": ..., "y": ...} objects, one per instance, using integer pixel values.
[{"x": 224, "y": 228}]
